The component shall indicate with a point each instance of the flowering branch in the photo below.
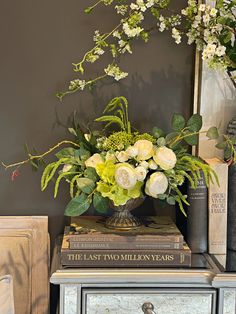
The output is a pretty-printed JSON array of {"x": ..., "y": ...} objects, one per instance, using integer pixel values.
[{"x": 33, "y": 157}]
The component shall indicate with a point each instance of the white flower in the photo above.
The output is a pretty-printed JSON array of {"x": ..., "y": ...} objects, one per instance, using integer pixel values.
[
  {"x": 114, "y": 71},
  {"x": 134, "y": 6},
  {"x": 213, "y": 12},
  {"x": 141, "y": 5},
  {"x": 116, "y": 34},
  {"x": 66, "y": 168},
  {"x": 176, "y": 35},
  {"x": 152, "y": 165},
  {"x": 162, "y": 26},
  {"x": 131, "y": 32},
  {"x": 122, "y": 156},
  {"x": 144, "y": 164},
  {"x": 121, "y": 9},
  {"x": 220, "y": 51},
  {"x": 141, "y": 173},
  {"x": 77, "y": 84},
  {"x": 165, "y": 158},
  {"x": 209, "y": 51},
  {"x": 206, "y": 18},
  {"x": 156, "y": 184},
  {"x": 132, "y": 151},
  {"x": 125, "y": 176},
  {"x": 93, "y": 161},
  {"x": 202, "y": 7},
  {"x": 145, "y": 149},
  {"x": 184, "y": 12},
  {"x": 150, "y": 3},
  {"x": 111, "y": 157},
  {"x": 99, "y": 51}
]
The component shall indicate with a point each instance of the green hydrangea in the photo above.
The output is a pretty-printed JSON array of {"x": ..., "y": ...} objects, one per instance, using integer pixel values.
[{"x": 118, "y": 141}]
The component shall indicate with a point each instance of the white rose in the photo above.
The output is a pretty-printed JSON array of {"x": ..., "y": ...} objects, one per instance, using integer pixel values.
[
  {"x": 125, "y": 176},
  {"x": 132, "y": 151},
  {"x": 111, "y": 157},
  {"x": 165, "y": 158},
  {"x": 93, "y": 161},
  {"x": 145, "y": 149},
  {"x": 122, "y": 156},
  {"x": 152, "y": 165},
  {"x": 156, "y": 184},
  {"x": 144, "y": 164},
  {"x": 141, "y": 173},
  {"x": 66, "y": 167}
]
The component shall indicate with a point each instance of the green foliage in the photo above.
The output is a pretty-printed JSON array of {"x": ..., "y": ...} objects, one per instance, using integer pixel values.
[
  {"x": 157, "y": 132},
  {"x": 78, "y": 205},
  {"x": 119, "y": 107},
  {"x": 212, "y": 133},
  {"x": 86, "y": 185},
  {"x": 100, "y": 203},
  {"x": 195, "y": 123},
  {"x": 178, "y": 122}
]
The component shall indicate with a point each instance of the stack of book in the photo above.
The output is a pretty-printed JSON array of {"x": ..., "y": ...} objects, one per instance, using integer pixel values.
[{"x": 158, "y": 243}]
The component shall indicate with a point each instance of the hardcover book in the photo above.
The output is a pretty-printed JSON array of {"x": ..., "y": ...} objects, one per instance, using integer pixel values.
[
  {"x": 197, "y": 213},
  {"x": 232, "y": 208},
  {"x": 217, "y": 206},
  {"x": 126, "y": 258},
  {"x": 156, "y": 233}
]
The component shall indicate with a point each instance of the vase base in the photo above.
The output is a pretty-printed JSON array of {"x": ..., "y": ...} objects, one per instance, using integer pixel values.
[{"x": 123, "y": 221}]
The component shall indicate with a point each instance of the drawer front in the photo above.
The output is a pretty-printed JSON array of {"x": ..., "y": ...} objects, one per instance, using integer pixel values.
[{"x": 148, "y": 301}]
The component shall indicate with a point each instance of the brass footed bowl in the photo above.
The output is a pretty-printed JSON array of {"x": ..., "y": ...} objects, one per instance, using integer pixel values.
[{"x": 122, "y": 219}]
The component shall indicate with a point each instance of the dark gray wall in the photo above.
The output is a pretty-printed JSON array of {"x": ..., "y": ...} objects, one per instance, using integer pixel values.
[{"x": 39, "y": 41}]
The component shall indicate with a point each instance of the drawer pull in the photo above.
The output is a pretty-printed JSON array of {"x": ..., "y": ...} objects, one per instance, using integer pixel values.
[{"x": 148, "y": 308}]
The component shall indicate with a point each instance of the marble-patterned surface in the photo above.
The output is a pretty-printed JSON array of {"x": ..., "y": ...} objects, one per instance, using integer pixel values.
[
  {"x": 70, "y": 299},
  {"x": 163, "y": 303},
  {"x": 229, "y": 306}
]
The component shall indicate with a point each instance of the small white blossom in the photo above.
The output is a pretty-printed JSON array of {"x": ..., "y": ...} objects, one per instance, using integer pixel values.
[
  {"x": 152, "y": 165},
  {"x": 150, "y": 3},
  {"x": 220, "y": 51},
  {"x": 176, "y": 35},
  {"x": 96, "y": 36},
  {"x": 213, "y": 12},
  {"x": 116, "y": 34},
  {"x": 99, "y": 51},
  {"x": 121, "y": 9},
  {"x": 122, "y": 156},
  {"x": 77, "y": 84},
  {"x": 206, "y": 19},
  {"x": 132, "y": 151},
  {"x": 141, "y": 5},
  {"x": 144, "y": 164},
  {"x": 134, "y": 6},
  {"x": 131, "y": 32},
  {"x": 162, "y": 26},
  {"x": 141, "y": 173},
  {"x": 202, "y": 7},
  {"x": 114, "y": 71}
]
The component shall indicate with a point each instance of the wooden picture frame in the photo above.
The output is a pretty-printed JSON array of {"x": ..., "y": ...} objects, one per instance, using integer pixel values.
[{"x": 24, "y": 250}]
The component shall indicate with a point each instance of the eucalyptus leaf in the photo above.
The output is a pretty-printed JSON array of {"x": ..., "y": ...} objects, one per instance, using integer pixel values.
[
  {"x": 91, "y": 174},
  {"x": 157, "y": 132},
  {"x": 170, "y": 200},
  {"x": 78, "y": 205},
  {"x": 212, "y": 133},
  {"x": 100, "y": 203},
  {"x": 161, "y": 141},
  {"x": 86, "y": 185},
  {"x": 191, "y": 139},
  {"x": 178, "y": 122},
  {"x": 221, "y": 145},
  {"x": 66, "y": 152},
  {"x": 195, "y": 123}
]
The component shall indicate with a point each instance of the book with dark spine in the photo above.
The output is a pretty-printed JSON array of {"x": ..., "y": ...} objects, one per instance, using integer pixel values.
[
  {"x": 231, "y": 234},
  {"x": 197, "y": 217},
  {"x": 126, "y": 258},
  {"x": 155, "y": 231}
]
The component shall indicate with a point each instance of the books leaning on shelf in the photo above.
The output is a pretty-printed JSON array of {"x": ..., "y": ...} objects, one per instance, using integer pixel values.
[
  {"x": 217, "y": 208},
  {"x": 158, "y": 243}
]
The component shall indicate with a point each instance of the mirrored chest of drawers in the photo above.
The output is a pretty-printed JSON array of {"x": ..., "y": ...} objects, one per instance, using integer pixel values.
[{"x": 201, "y": 289}]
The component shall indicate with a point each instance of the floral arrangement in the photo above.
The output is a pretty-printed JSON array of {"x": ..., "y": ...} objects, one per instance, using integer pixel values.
[
  {"x": 112, "y": 168},
  {"x": 212, "y": 29}
]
